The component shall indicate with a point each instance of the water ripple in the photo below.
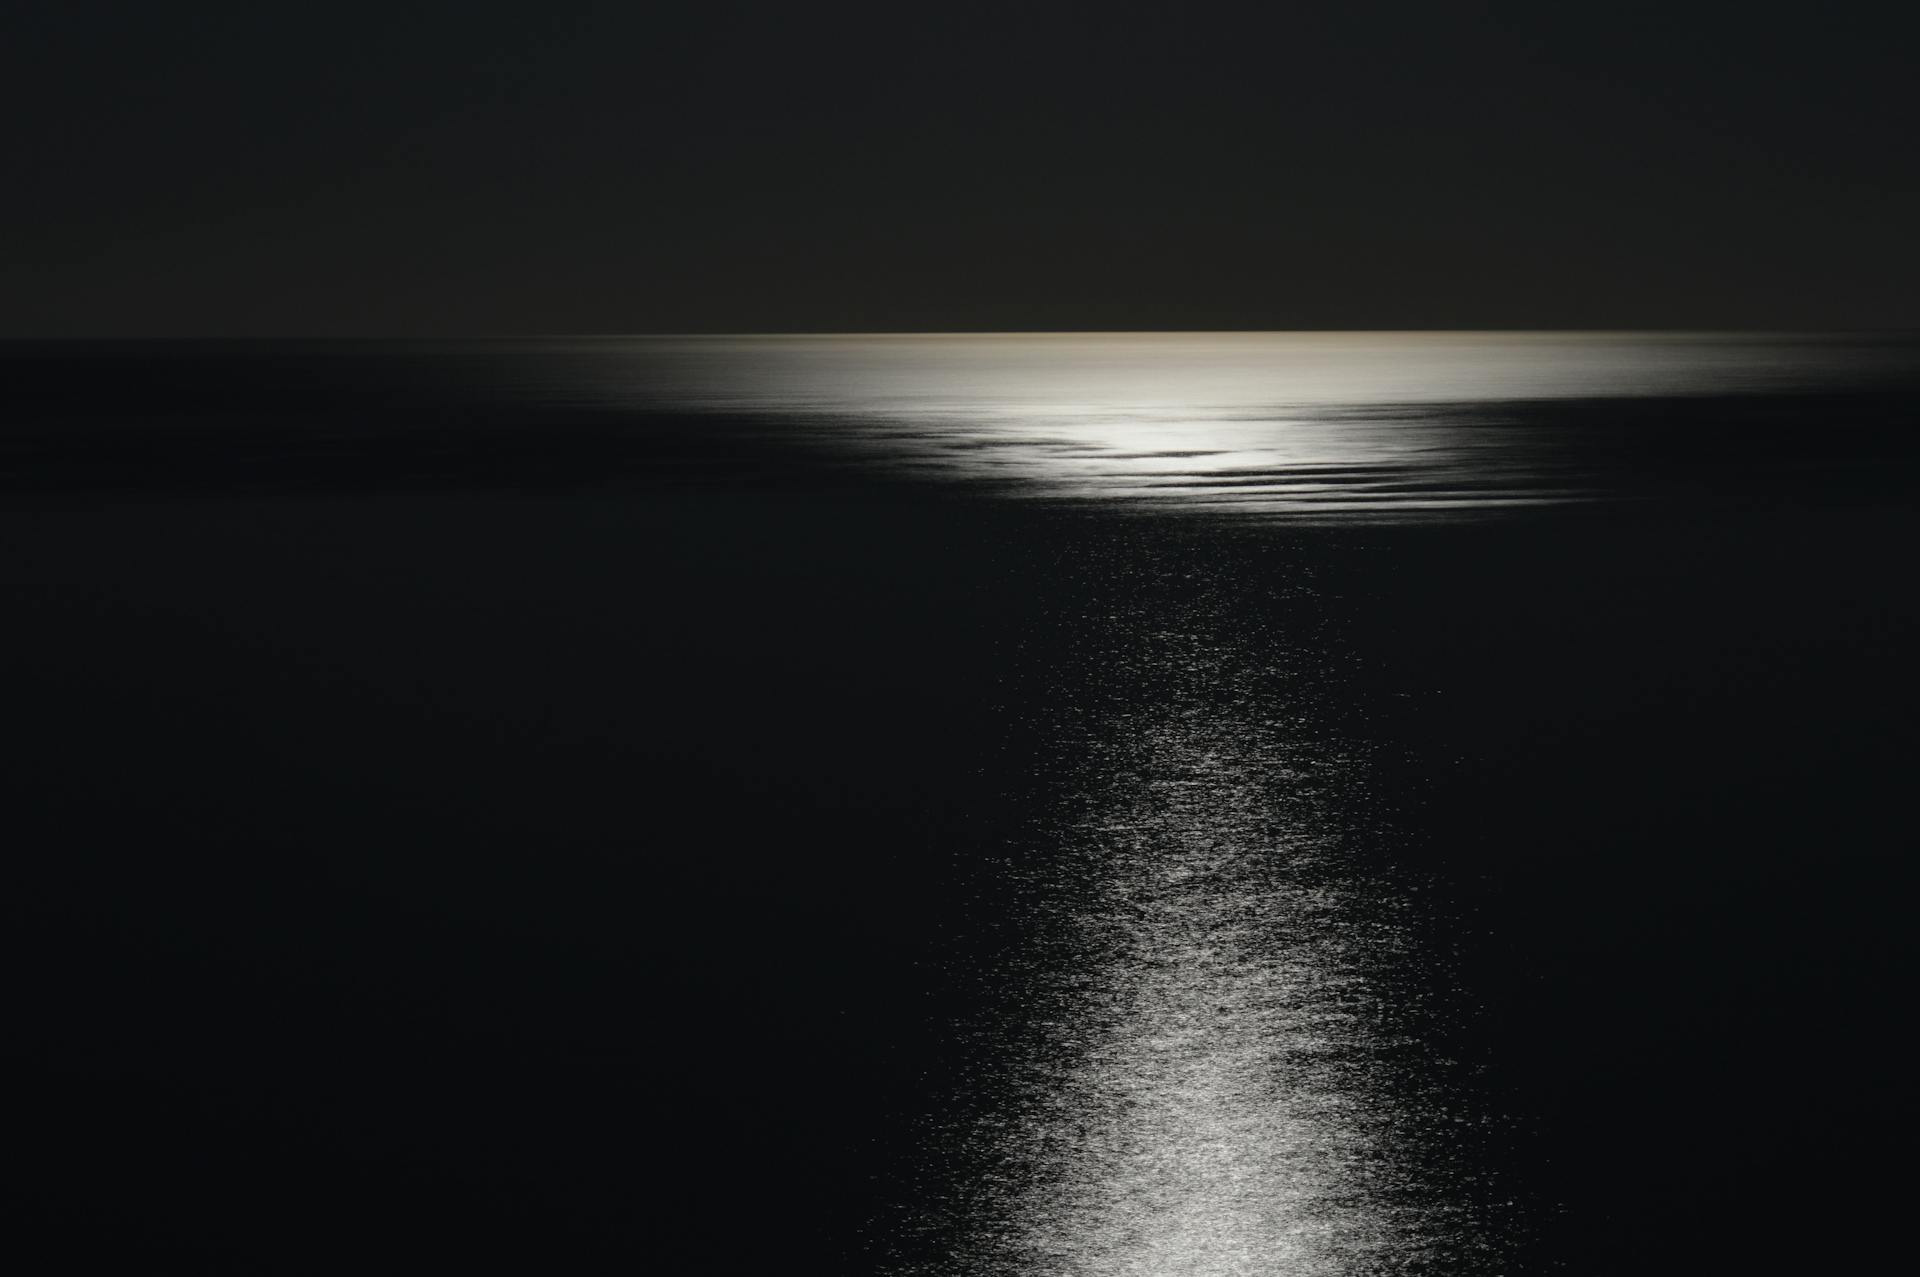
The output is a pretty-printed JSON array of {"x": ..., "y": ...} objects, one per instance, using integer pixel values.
[
  {"x": 1298, "y": 425},
  {"x": 1195, "y": 1076}
]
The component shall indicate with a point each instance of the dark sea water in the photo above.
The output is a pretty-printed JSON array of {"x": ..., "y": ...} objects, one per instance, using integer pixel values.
[{"x": 1080, "y": 806}]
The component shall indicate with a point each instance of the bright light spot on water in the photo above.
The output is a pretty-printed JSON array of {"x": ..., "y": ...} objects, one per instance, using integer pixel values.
[
  {"x": 1206, "y": 1094},
  {"x": 1313, "y": 425}
]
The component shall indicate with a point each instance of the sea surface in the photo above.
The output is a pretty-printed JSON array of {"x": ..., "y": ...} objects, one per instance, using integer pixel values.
[{"x": 1068, "y": 805}]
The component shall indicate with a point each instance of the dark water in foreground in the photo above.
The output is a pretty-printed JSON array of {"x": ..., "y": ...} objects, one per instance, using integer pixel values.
[{"x": 1074, "y": 805}]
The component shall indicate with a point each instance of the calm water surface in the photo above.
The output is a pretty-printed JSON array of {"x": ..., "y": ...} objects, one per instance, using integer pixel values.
[
  {"x": 1217, "y": 1031},
  {"x": 1201, "y": 1063}
]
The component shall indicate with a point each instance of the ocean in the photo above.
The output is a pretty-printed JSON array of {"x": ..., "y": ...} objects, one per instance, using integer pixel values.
[{"x": 1070, "y": 805}]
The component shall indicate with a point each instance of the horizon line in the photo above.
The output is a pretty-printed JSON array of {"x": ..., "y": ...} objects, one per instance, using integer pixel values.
[{"x": 765, "y": 334}]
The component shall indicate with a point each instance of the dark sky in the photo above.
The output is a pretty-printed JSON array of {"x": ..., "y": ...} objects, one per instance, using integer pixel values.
[{"x": 219, "y": 168}]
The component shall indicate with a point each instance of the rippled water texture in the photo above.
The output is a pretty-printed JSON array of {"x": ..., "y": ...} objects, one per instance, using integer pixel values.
[
  {"x": 1339, "y": 426},
  {"x": 1190, "y": 1073},
  {"x": 1199, "y": 1064},
  {"x": 927, "y": 797}
]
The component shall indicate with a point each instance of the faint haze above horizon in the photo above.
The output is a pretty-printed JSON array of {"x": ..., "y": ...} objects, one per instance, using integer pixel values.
[{"x": 583, "y": 166}]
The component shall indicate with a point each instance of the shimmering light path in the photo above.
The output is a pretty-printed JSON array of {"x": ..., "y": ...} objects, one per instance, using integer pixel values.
[
  {"x": 1207, "y": 1110},
  {"x": 1200, "y": 1086},
  {"x": 1204, "y": 1057}
]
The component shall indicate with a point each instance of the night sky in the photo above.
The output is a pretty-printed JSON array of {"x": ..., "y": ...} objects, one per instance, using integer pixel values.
[{"x": 351, "y": 168}]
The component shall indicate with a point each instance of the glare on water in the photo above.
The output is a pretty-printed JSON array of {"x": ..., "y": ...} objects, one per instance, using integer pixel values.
[
  {"x": 1194, "y": 1069},
  {"x": 1193, "y": 1077},
  {"x": 1300, "y": 425}
]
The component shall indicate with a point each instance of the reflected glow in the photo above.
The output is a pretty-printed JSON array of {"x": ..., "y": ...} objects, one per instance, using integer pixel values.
[
  {"x": 1195, "y": 1079},
  {"x": 1198, "y": 1062},
  {"x": 1206, "y": 1115},
  {"x": 1336, "y": 425}
]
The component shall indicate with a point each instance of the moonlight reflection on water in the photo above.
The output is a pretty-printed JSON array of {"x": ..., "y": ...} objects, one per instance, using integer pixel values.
[
  {"x": 1193, "y": 1080},
  {"x": 1116, "y": 882},
  {"x": 1294, "y": 426},
  {"x": 1204, "y": 1055}
]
